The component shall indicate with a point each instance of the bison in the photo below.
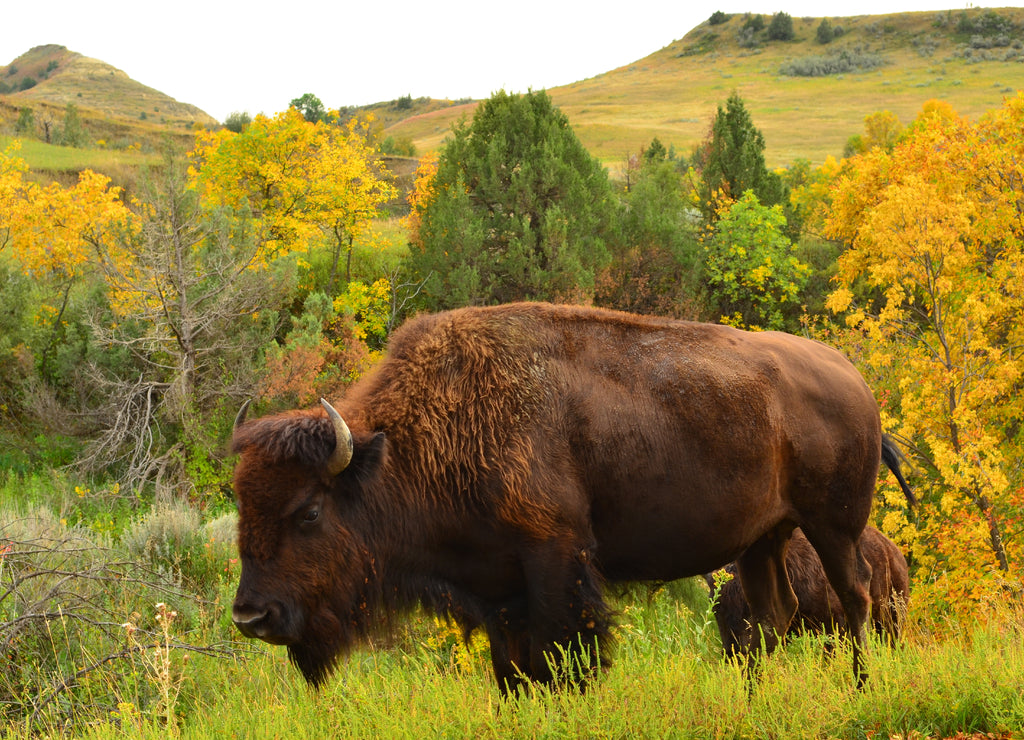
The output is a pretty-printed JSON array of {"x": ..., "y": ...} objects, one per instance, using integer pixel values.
[
  {"x": 500, "y": 464},
  {"x": 819, "y": 609}
]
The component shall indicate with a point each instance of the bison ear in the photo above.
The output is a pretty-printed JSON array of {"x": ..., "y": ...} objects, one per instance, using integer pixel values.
[{"x": 367, "y": 457}]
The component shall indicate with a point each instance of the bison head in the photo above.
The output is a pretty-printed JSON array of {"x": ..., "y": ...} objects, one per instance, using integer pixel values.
[{"x": 308, "y": 574}]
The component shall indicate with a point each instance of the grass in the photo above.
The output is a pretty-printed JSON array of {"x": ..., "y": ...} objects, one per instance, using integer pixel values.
[
  {"x": 181, "y": 670},
  {"x": 52, "y": 158},
  {"x": 674, "y": 92}
]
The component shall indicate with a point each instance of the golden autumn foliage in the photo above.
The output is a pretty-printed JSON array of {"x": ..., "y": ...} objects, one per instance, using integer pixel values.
[
  {"x": 299, "y": 180},
  {"x": 933, "y": 284},
  {"x": 420, "y": 194},
  {"x": 53, "y": 230},
  {"x": 57, "y": 234},
  {"x": 172, "y": 296}
]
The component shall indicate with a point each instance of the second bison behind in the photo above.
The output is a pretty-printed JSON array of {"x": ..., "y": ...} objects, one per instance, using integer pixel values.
[{"x": 819, "y": 609}]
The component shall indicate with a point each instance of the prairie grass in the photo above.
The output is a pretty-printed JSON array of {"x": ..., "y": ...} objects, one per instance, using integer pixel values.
[
  {"x": 673, "y": 93},
  {"x": 144, "y": 648},
  {"x": 51, "y": 158}
]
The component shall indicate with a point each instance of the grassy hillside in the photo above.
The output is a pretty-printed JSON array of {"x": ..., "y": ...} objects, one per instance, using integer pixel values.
[
  {"x": 62, "y": 76},
  {"x": 674, "y": 92},
  {"x": 971, "y": 58},
  {"x": 124, "y": 121}
]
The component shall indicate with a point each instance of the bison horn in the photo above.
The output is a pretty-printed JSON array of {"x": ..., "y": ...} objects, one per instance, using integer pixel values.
[
  {"x": 240, "y": 416},
  {"x": 342, "y": 454}
]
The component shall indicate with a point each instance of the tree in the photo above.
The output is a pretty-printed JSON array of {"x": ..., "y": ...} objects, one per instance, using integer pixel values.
[
  {"x": 751, "y": 268},
  {"x": 754, "y": 23},
  {"x": 825, "y": 34},
  {"x": 192, "y": 296},
  {"x": 730, "y": 162},
  {"x": 781, "y": 27},
  {"x": 237, "y": 121},
  {"x": 299, "y": 180},
  {"x": 310, "y": 107},
  {"x": 517, "y": 209},
  {"x": 26, "y": 124},
  {"x": 935, "y": 229},
  {"x": 656, "y": 256},
  {"x": 73, "y": 133},
  {"x": 881, "y": 129},
  {"x": 53, "y": 233}
]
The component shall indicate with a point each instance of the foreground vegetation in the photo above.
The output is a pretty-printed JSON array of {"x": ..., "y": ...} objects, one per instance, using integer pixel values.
[{"x": 146, "y": 649}]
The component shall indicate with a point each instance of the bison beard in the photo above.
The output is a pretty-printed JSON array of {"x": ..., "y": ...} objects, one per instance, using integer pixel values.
[
  {"x": 319, "y": 651},
  {"x": 501, "y": 463}
]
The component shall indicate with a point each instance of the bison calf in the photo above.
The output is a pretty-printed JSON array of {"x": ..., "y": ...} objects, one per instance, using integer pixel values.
[{"x": 819, "y": 609}]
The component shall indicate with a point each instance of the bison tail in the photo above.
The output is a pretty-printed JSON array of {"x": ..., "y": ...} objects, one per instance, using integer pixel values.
[{"x": 892, "y": 457}]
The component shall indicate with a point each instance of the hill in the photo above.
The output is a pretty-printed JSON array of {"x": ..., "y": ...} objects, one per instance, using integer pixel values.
[
  {"x": 123, "y": 120},
  {"x": 807, "y": 97},
  {"x": 52, "y": 74}
]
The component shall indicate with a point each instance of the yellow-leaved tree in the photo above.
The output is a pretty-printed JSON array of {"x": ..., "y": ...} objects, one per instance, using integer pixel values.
[
  {"x": 933, "y": 282},
  {"x": 56, "y": 234},
  {"x": 299, "y": 179}
]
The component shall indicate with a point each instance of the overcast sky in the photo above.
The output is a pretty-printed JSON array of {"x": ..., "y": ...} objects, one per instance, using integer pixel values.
[{"x": 257, "y": 56}]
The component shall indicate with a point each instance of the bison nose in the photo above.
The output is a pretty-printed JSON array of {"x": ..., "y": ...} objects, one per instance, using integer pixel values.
[{"x": 251, "y": 621}]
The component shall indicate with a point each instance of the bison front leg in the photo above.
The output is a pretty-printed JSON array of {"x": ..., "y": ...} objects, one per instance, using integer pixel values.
[
  {"x": 510, "y": 648},
  {"x": 567, "y": 617}
]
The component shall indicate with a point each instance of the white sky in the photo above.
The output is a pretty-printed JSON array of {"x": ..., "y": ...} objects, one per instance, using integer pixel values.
[{"x": 257, "y": 56}]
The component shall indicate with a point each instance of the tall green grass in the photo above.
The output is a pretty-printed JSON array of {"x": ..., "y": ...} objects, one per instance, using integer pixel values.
[{"x": 190, "y": 675}]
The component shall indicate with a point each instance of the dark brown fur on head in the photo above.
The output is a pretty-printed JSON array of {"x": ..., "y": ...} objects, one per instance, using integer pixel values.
[{"x": 333, "y": 604}]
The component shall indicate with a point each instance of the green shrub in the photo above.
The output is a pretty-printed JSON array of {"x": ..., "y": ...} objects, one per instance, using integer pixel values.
[
  {"x": 834, "y": 63},
  {"x": 237, "y": 121},
  {"x": 162, "y": 535}
]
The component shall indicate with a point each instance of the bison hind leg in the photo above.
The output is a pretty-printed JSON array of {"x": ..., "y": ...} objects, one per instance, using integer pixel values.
[
  {"x": 765, "y": 581},
  {"x": 849, "y": 574}
]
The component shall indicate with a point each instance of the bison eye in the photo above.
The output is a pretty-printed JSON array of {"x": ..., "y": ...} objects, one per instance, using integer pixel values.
[{"x": 311, "y": 516}]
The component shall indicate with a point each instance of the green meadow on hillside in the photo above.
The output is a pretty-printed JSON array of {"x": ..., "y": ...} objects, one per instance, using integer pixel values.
[{"x": 673, "y": 93}]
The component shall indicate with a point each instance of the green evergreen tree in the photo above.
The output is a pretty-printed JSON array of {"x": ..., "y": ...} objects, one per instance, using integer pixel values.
[
  {"x": 781, "y": 27},
  {"x": 825, "y": 34},
  {"x": 26, "y": 124},
  {"x": 74, "y": 133},
  {"x": 731, "y": 161},
  {"x": 518, "y": 209}
]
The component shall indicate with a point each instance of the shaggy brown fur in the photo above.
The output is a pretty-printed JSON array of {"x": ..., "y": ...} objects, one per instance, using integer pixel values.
[
  {"x": 509, "y": 459},
  {"x": 819, "y": 609}
]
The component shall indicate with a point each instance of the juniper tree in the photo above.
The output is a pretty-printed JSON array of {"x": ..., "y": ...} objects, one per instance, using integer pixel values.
[{"x": 517, "y": 209}]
